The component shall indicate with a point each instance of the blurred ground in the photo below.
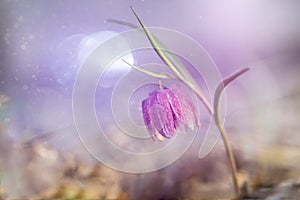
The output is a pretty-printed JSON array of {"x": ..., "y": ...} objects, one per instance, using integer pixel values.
[{"x": 35, "y": 169}]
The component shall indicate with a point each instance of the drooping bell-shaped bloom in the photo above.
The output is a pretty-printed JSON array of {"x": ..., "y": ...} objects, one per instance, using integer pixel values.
[{"x": 167, "y": 111}]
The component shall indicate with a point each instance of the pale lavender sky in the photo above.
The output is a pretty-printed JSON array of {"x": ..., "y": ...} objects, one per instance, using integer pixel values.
[{"x": 230, "y": 31}]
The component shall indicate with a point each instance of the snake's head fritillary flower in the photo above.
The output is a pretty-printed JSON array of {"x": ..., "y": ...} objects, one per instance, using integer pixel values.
[{"x": 167, "y": 111}]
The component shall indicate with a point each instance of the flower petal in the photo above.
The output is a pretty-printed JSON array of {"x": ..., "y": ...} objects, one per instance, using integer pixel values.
[
  {"x": 176, "y": 107},
  {"x": 162, "y": 114},
  {"x": 190, "y": 119},
  {"x": 146, "y": 105}
]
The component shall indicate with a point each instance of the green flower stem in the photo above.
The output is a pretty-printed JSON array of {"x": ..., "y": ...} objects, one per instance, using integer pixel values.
[
  {"x": 153, "y": 74},
  {"x": 221, "y": 128},
  {"x": 199, "y": 95},
  {"x": 182, "y": 75},
  {"x": 228, "y": 150},
  {"x": 156, "y": 47},
  {"x": 166, "y": 76},
  {"x": 170, "y": 64},
  {"x": 217, "y": 99},
  {"x": 217, "y": 118},
  {"x": 168, "y": 54}
]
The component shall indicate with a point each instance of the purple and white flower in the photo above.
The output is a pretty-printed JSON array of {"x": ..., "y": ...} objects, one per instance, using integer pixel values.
[{"x": 167, "y": 111}]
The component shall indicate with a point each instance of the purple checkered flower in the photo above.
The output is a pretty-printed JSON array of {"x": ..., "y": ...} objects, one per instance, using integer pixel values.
[{"x": 167, "y": 111}]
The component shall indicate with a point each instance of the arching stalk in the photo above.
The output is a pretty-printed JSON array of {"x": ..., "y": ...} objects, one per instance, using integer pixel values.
[{"x": 214, "y": 111}]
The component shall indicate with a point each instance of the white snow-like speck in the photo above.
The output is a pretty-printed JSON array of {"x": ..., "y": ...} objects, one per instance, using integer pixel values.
[
  {"x": 25, "y": 87},
  {"x": 16, "y": 25},
  {"x": 21, "y": 19},
  {"x": 24, "y": 46},
  {"x": 31, "y": 36}
]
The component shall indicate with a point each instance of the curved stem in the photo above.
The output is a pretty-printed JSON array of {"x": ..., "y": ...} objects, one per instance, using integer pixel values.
[
  {"x": 214, "y": 111},
  {"x": 216, "y": 115},
  {"x": 217, "y": 119},
  {"x": 165, "y": 59},
  {"x": 200, "y": 96},
  {"x": 228, "y": 151}
]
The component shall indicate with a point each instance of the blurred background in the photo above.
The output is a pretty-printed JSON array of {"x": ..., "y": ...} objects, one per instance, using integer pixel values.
[{"x": 44, "y": 43}]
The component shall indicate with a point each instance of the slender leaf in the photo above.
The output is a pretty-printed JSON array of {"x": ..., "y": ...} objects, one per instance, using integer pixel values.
[
  {"x": 161, "y": 45},
  {"x": 168, "y": 58},
  {"x": 122, "y": 22},
  {"x": 150, "y": 73},
  {"x": 220, "y": 89},
  {"x": 157, "y": 48}
]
